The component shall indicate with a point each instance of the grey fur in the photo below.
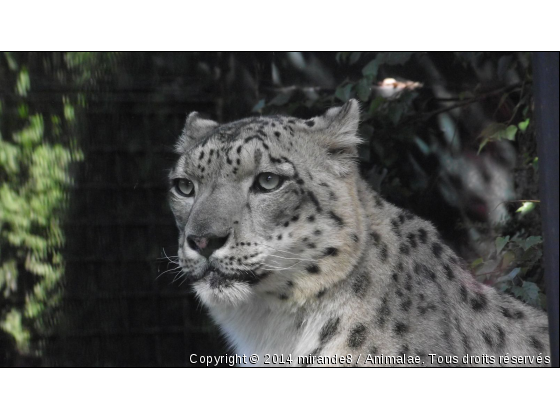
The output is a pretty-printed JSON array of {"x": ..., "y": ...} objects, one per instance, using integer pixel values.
[{"x": 323, "y": 265}]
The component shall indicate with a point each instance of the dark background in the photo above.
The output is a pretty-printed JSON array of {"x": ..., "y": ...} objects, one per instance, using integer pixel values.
[{"x": 83, "y": 239}]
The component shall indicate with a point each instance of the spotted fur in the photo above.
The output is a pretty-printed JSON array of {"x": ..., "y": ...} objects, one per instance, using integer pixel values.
[{"x": 323, "y": 265}]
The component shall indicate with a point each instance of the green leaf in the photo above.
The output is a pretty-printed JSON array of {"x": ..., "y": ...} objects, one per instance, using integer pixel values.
[
  {"x": 342, "y": 56},
  {"x": 424, "y": 148},
  {"x": 393, "y": 58},
  {"x": 531, "y": 241},
  {"x": 258, "y": 106},
  {"x": 397, "y": 113},
  {"x": 375, "y": 104},
  {"x": 476, "y": 263},
  {"x": 344, "y": 93},
  {"x": 23, "y": 111},
  {"x": 497, "y": 131},
  {"x": 12, "y": 323},
  {"x": 23, "y": 83},
  {"x": 69, "y": 113},
  {"x": 482, "y": 145},
  {"x": 487, "y": 267},
  {"x": 281, "y": 99},
  {"x": 523, "y": 125},
  {"x": 507, "y": 259},
  {"x": 513, "y": 273},
  {"x": 371, "y": 68},
  {"x": 518, "y": 292},
  {"x": 531, "y": 292},
  {"x": 502, "y": 286},
  {"x": 363, "y": 89},
  {"x": 509, "y": 277},
  {"x": 355, "y": 56},
  {"x": 509, "y": 133},
  {"x": 12, "y": 64},
  {"x": 526, "y": 207},
  {"x": 504, "y": 64},
  {"x": 492, "y": 129},
  {"x": 501, "y": 242},
  {"x": 531, "y": 257}
]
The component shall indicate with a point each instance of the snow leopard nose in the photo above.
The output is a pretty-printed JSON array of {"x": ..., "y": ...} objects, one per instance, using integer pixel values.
[{"x": 206, "y": 245}]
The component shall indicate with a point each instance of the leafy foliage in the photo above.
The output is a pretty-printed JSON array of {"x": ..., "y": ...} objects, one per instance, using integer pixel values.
[
  {"x": 36, "y": 151},
  {"x": 517, "y": 257}
]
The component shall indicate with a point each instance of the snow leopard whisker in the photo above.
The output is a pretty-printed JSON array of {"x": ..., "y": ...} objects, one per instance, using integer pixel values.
[
  {"x": 274, "y": 268},
  {"x": 167, "y": 257},
  {"x": 249, "y": 271},
  {"x": 175, "y": 258},
  {"x": 301, "y": 259},
  {"x": 167, "y": 271},
  {"x": 290, "y": 258},
  {"x": 178, "y": 276},
  {"x": 280, "y": 250},
  {"x": 180, "y": 284}
]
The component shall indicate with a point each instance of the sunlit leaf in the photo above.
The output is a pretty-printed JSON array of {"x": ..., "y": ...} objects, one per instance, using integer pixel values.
[
  {"x": 23, "y": 83},
  {"x": 495, "y": 132},
  {"x": 508, "y": 134},
  {"x": 526, "y": 207},
  {"x": 523, "y": 125},
  {"x": 69, "y": 114},
  {"x": 12, "y": 64}
]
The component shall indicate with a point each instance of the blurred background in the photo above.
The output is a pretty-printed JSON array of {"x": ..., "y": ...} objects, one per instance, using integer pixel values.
[{"x": 86, "y": 140}]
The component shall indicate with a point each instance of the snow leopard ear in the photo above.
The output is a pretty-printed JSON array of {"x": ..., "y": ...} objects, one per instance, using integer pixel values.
[
  {"x": 195, "y": 129},
  {"x": 338, "y": 128}
]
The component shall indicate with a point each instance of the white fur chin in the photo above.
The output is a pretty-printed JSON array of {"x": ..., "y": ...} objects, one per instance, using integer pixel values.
[{"x": 232, "y": 294}]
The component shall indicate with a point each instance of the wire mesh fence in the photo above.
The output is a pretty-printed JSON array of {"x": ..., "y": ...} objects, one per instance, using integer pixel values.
[
  {"x": 119, "y": 307},
  {"x": 119, "y": 301}
]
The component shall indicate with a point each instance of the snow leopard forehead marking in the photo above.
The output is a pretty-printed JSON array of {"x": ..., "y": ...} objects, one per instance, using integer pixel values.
[{"x": 238, "y": 148}]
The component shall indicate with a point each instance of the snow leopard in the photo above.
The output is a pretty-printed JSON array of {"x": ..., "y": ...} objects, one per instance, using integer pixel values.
[{"x": 300, "y": 263}]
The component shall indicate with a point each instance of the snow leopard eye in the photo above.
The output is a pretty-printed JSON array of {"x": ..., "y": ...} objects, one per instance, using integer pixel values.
[
  {"x": 184, "y": 187},
  {"x": 267, "y": 182}
]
